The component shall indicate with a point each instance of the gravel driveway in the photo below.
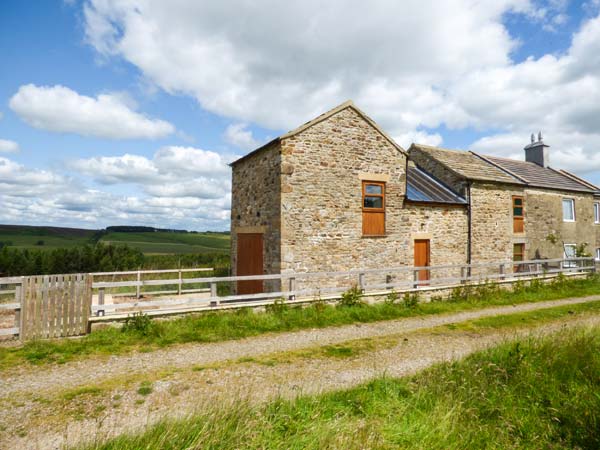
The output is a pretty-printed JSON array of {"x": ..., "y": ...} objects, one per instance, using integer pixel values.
[{"x": 32, "y": 416}]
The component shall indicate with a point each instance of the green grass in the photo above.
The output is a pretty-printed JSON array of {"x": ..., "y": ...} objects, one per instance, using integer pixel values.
[
  {"x": 532, "y": 393},
  {"x": 220, "y": 326},
  {"x": 161, "y": 242}
]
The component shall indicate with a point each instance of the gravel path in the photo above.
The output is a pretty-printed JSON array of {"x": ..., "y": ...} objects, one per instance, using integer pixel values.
[
  {"x": 95, "y": 370},
  {"x": 33, "y": 416}
]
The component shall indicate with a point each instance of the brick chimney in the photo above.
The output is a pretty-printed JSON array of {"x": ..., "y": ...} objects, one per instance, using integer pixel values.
[{"x": 537, "y": 151}]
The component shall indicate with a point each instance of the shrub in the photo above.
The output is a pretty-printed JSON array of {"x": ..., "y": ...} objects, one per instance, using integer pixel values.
[
  {"x": 137, "y": 323},
  {"x": 278, "y": 307},
  {"x": 410, "y": 300},
  {"x": 391, "y": 298},
  {"x": 352, "y": 297}
]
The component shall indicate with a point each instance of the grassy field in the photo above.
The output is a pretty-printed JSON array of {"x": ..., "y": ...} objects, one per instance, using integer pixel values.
[
  {"x": 532, "y": 393},
  {"x": 162, "y": 242},
  {"x": 52, "y": 237},
  {"x": 145, "y": 334},
  {"x": 159, "y": 242}
]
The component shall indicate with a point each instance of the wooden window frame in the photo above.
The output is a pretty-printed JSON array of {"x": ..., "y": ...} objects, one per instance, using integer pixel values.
[
  {"x": 367, "y": 210},
  {"x": 521, "y": 218},
  {"x": 382, "y": 196}
]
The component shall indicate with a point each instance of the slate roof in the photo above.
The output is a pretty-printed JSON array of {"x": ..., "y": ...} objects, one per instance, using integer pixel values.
[
  {"x": 420, "y": 187},
  {"x": 538, "y": 176},
  {"x": 467, "y": 164}
]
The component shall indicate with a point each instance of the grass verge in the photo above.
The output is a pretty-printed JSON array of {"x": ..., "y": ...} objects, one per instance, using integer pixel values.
[
  {"x": 531, "y": 393},
  {"x": 144, "y": 334}
]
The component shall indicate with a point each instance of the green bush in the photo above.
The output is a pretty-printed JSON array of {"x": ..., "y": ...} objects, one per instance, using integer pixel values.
[
  {"x": 391, "y": 298},
  {"x": 410, "y": 300},
  {"x": 137, "y": 323},
  {"x": 352, "y": 297}
]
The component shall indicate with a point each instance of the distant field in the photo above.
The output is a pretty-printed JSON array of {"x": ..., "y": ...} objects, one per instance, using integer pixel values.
[
  {"x": 31, "y": 237},
  {"x": 162, "y": 242},
  {"x": 158, "y": 242}
]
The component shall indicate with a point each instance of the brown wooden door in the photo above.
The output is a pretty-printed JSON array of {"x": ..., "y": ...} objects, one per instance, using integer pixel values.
[
  {"x": 422, "y": 257},
  {"x": 249, "y": 262}
]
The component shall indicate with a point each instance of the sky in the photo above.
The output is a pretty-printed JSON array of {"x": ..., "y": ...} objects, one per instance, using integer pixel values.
[{"x": 127, "y": 112}]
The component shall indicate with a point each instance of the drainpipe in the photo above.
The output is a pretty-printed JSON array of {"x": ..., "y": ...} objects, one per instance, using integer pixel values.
[{"x": 469, "y": 225}]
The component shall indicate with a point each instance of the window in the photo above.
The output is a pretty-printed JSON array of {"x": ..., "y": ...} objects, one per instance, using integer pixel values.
[
  {"x": 518, "y": 214},
  {"x": 598, "y": 254},
  {"x": 596, "y": 212},
  {"x": 373, "y": 206},
  {"x": 570, "y": 252},
  {"x": 568, "y": 210}
]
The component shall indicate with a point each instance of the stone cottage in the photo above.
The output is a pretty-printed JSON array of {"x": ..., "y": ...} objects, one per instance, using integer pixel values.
[{"x": 338, "y": 193}]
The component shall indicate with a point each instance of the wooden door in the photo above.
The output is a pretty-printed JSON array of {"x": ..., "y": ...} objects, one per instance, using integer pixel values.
[
  {"x": 422, "y": 258},
  {"x": 249, "y": 262}
]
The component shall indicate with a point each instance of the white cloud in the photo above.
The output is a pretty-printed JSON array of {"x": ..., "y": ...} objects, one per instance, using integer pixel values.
[
  {"x": 60, "y": 109},
  {"x": 172, "y": 199},
  {"x": 238, "y": 134},
  {"x": 436, "y": 63},
  {"x": 7, "y": 146}
]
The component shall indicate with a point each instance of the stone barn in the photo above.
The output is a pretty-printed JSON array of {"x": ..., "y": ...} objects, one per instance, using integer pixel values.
[{"x": 338, "y": 193}]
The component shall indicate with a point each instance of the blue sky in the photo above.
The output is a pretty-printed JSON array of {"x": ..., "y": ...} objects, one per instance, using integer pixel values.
[{"x": 128, "y": 112}]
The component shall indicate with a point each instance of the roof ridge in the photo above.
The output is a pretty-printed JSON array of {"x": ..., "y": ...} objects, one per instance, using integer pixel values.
[
  {"x": 574, "y": 178},
  {"x": 511, "y": 173}
]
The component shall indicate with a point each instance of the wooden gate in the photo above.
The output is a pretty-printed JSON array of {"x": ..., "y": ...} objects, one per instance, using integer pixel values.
[{"x": 55, "y": 306}]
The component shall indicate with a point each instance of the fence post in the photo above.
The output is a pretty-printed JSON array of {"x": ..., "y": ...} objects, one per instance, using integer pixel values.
[
  {"x": 502, "y": 271},
  {"x": 463, "y": 274},
  {"x": 18, "y": 298},
  {"x": 361, "y": 282},
  {"x": 538, "y": 269},
  {"x": 179, "y": 284},
  {"x": 213, "y": 293},
  {"x": 100, "y": 312},
  {"x": 138, "y": 287},
  {"x": 292, "y": 288},
  {"x": 593, "y": 261},
  {"x": 416, "y": 279}
]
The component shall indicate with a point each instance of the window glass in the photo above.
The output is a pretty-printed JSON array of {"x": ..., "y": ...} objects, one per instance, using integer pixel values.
[
  {"x": 518, "y": 211},
  {"x": 596, "y": 212},
  {"x": 373, "y": 202},
  {"x": 373, "y": 189},
  {"x": 570, "y": 251},
  {"x": 518, "y": 201},
  {"x": 568, "y": 209},
  {"x": 598, "y": 254}
]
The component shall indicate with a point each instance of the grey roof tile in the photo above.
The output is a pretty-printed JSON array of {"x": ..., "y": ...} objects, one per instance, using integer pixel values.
[{"x": 538, "y": 176}]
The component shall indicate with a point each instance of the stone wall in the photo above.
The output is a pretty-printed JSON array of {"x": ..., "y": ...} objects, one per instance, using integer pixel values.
[
  {"x": 544, "y": 223},
  {"x": 255, "y": 205},
  {"x": 492, "y": 235},
  {"x": 322, "y": 172}
]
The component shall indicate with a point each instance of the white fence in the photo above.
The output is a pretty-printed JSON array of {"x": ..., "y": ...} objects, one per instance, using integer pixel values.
[
  {"x": 305, "y": 287},
  {"x": 154, "y": 296}
]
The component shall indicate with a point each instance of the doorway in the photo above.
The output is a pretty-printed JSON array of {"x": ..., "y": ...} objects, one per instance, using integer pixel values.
[
  {"x": 422, "y": 258},
  {"x": 249, "y": 262}
]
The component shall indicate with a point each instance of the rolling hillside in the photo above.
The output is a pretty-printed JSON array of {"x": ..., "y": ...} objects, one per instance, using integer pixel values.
[{"x": 149, "y": 242}]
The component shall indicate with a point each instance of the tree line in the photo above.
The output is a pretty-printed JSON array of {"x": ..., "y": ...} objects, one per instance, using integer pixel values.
[{"x": 99, "y": 257}]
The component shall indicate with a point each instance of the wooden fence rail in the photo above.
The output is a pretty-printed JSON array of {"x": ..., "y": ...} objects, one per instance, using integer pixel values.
[{"x": 65, "y": 305}]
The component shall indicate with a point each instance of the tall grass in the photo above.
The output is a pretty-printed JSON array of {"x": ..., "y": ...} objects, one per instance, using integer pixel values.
[
  {"x": 219, "y": 326},
  {"x": 534, "y": 393}
]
